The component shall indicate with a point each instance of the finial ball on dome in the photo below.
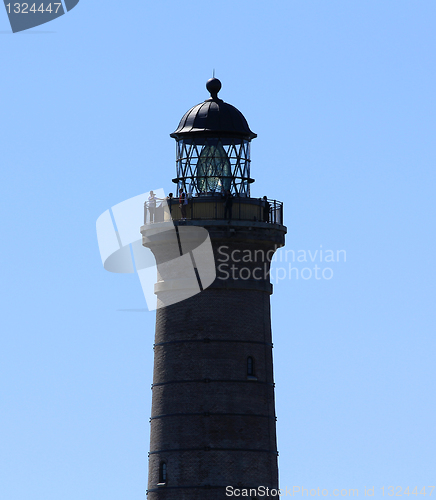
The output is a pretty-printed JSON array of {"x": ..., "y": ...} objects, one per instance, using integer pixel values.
[{"x": 213, "y": 86}]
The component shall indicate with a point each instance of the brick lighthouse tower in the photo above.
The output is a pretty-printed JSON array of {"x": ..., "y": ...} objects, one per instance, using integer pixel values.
[{"x": 213, "y": 422}]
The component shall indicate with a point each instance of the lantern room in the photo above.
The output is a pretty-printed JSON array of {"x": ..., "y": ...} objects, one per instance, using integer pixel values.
[{"x": 213, "y": 148}]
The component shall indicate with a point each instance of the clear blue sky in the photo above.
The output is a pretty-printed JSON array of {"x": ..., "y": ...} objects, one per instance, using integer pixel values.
[{"x": 342, "y": 97}]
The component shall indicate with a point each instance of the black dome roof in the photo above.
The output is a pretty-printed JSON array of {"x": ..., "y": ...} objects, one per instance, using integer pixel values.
[{"x": 214, "y": 117}]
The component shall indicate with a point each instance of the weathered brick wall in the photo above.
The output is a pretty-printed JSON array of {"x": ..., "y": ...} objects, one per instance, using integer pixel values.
[{"x": 212, "y": 424}]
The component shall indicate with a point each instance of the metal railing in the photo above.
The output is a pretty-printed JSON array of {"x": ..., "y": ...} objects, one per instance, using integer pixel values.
[{"x": 216, "y": 208}]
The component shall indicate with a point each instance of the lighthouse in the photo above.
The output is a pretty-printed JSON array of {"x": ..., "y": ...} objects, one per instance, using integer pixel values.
[{"x": 213, "y": 421}]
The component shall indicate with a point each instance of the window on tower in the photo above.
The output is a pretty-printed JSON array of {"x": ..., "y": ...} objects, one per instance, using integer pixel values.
[
  {"x": 250, "y": 366},
  {"x": 162, "y": 473}
]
